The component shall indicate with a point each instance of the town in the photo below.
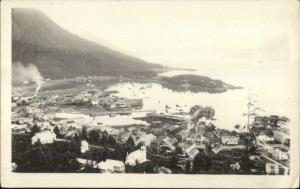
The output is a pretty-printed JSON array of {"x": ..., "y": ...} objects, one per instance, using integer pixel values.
[{"x": 67, "y": 132}]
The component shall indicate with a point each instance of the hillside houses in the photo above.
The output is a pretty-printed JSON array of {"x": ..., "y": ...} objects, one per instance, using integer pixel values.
[
  {"x": 45, "y": 137},
  {"x": 110, "y": 144},
  {"x": 147, "y": 139},
  {"x": 111, "y": 166},
  {"x": 281, "y": 136},
  {"x": 272, "y": 168},
  {"x": 276, "y": 153},
  {"x": 265, "y": 138},
  {"x": 229, "y": 140},
  {"x": 138, "y": 156}
]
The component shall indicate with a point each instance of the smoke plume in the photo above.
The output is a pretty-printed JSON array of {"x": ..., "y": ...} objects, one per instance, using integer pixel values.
[{"x": 21, "y": 73}]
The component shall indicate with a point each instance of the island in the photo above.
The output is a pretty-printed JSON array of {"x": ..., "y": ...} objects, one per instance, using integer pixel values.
[{"x": 196, "y": 83}]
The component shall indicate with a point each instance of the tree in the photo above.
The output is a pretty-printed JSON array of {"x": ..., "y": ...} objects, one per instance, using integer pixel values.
[
  {"x": 237, "y": 126},
  {"x": 187, "y": 167},
  {"x": 94, "y": 137},
  {"x": 35, "y": 129},
  {"x": 200, "y": 162},
  {"x": 173, "y": 162},
  {"x": 57, "y": 132},
  {"x": 104, "y": 138},
  {"x": 194, "y": 109},
  {"x": 197, "y": 162},
  {"x": 84, "y": 133},
  {"x": 130, "y": 142},
  {"x": 178, "y": 150},
  {"x": 252, "y": 108},
  {"x": 111, "y": 141}
]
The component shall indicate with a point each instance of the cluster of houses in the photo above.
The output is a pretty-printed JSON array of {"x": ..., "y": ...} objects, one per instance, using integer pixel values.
[
  {"x": 114, "y": 166},
  {"x": 100, "y": 98},
  {"x": 44, "y": 137},
  {"x": 107, "y": 166},
  {"x": 269, "y": 121},
  {"x": 164, "y": 134},
  {"x": 276, "y": 153}
]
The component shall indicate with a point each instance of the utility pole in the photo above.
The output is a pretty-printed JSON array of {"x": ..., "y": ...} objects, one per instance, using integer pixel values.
[
  {"x": 251, "y": 111},
  {"x": 249, "y": 106}
]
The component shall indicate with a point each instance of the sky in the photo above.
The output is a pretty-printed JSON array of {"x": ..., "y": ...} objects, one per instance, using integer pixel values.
[{"x": 183, "y": 33}]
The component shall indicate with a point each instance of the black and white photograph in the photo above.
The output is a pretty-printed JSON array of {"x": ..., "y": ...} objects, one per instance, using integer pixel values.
[{"x": 182, "y": 88}]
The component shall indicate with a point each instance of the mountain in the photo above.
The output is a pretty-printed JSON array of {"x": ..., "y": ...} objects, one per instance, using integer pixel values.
[{"x": 58, "y": 53}]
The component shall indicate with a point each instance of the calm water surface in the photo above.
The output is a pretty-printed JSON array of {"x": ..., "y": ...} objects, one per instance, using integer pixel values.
[{"x": 271, "y": 91}]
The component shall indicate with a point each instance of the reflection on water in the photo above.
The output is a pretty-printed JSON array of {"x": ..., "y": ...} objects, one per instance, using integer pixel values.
[
  {"x": 121, "y": 120},
  {"x": 272, "y": 96}
]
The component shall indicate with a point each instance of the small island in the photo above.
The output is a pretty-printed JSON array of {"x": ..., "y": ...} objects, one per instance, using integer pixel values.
[{"x": 196, "y": 83}]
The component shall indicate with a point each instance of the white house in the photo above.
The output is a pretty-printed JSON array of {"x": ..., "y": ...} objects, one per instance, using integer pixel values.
[
  {"x": 19, "y": 128},
  {"x": 138, "y": 156},
  {"x": 84, "y": 146},
  {"x": 269, "y": 148},
  {"x": 111, "y": 166},
  {"x": 147, "y": 139},
  {"x": 265, "y": 138},
  {"x": 280, "y": 155},
  {"x": 45, "y": 137},
  {"x": 110, "y": 130},
  {"x": 272, "y": 168},
  {"x": 231, "y": 140}
]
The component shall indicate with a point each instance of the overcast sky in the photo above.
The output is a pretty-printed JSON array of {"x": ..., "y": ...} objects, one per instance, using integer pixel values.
[{"x": 179, "y": 32}]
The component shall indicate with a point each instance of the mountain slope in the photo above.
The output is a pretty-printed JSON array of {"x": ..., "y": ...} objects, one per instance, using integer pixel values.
[{"x": 57, "y": 53}]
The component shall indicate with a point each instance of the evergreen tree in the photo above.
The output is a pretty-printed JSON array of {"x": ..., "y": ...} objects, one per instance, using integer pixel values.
[
  {"x": 187, "y": 167},
  {"x": 35, "y": 129},
  {"x": 83, "y": 133},
  {"x": 130, "y": 144},
  {"x": 57, "y": 132},
  {"x": 173, "y": 162},
  {"x": 94, "y": 137}
]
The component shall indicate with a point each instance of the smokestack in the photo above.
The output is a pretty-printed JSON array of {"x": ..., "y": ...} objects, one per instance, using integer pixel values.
[{"x": 28, "y": 72}]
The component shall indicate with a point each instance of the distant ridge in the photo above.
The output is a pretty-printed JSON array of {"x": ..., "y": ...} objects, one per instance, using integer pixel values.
[{"x": 58, "y": 53}]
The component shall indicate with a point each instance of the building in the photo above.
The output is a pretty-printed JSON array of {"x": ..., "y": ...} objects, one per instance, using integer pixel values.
[
  {"x": 280, "y": 155},
  {"x": 273, "y": 120},
  {"x": 265, "y": 138},
  {"x": 94, "y": 101},
  {"x": 86, "y": 162},
  {"x": 230, "y": 140},
  {"x": 138, "y": 156},
  {"x": 272, "y": 168},
  {"x": 72, "y": 134},
  {"x": 84, "y": 146},
  {"x": 169, "y": 142},
  {"x": 111, "y": 166},
  {"x": 123, "y": 137},
  {"x": 269, "y": 148},
  {"x": 192, "y": 151},
  {"x": 281, "y": 136},
  {"x": 110, "y": 131},
  {"x": 136, "y": 103},
  {"x": 19, "y": 128},
  {"x": 147, "y": 139},
  {"x": 45, "y": 137},
  {"x": 261, "y": 120}
]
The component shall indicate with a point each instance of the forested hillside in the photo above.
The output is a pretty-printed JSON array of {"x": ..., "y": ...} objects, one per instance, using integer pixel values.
[{"x": 58, "y": 53}]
